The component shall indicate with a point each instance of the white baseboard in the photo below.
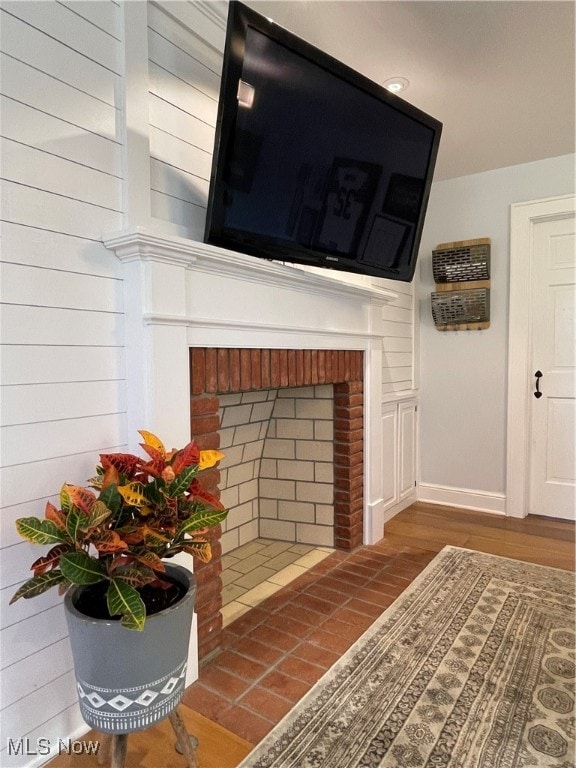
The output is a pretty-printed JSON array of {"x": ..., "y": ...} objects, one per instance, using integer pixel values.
[{"x": 479, "y": 501}]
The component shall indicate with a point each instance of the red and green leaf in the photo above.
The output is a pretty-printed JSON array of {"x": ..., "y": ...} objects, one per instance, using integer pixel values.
[
  {"x": 55, "y": 515},
  {"x": 108, "y": 542},
  {"x": 50, "y": 560},
  {"x": 205, "y": 518},
  {"x": 40, "y": 531},
  {"x": 181, "y": 482},
  {"x": 80, "y": 568},
  {"x": 125, "y": 601},
  {"x": 111, "y": 477},
  {"x": 200, "y": 548},
  {"x": 151, "y": 560},
  {"x": 132, "y": 494},
  {"x": 38, "y": 585},
  {"x": 155, "y": 539},
  {"x": 111, "y": 498},
  {"x": 81, "y": 498},
  {"x": 136, "y": 577},
  {"x": 75, "y": 524},
  {"x": 98, "y": 514},
  {"x": 153, "y": 442},
  {"x": 125, "y": 463},
  {"x": 198, "y": 493},
  {"x": 187, "y": 457}
]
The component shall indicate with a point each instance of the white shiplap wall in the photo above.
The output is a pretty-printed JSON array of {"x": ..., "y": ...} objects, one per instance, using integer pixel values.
[
  {"x": 62, "y": 355},
  {"x": 398, "y": 359},
  {"x": 62, "y": 335},
  {"x": 185, "y": 43}
]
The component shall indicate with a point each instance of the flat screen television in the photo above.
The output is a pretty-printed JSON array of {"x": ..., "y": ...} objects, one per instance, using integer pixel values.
[{"x": 313, "y": 162}]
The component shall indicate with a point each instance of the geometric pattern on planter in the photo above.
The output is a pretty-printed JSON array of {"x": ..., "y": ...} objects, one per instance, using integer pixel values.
[{"x": 114, "y": 710}]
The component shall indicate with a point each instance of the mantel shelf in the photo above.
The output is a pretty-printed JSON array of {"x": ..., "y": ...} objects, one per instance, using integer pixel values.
[{"x": 145, "y": 245}]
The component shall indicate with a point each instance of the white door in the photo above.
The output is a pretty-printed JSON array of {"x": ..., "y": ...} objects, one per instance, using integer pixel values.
[
  {"x": 541, "y": 430},
  {"x": 553, "y": 412}
]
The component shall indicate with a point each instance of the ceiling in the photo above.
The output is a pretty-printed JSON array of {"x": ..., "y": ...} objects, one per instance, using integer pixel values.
[{"x": 499, "y": 74}]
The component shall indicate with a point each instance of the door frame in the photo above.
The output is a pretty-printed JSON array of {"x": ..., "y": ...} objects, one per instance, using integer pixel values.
[{"x": 523, "y": 218}]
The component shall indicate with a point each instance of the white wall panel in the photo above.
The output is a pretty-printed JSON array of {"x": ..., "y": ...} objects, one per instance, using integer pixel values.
[
  {"x": 18, "y": 484},
  {"x": 49, "y": 56},
  {"x": 45, "y": 325},
  {"x": 167, "y": 179},
  {"x": 26, "y": 245},
  {"x": 27, "y": 443},
  {"x": 23, "y": 83},
  {"x": 177, "y": 91},
  {"x": 62, "y": 395},
  {"x": 38, "y": 707},
  {"x": 64, "y": 400},
  {"x": 188, "y": 217},
  {"x": 38, "y": 286},
  {"x": 34, "y": 672},
  {"x": 68, "y": 28},
  {"x": 180, "y": 154},
  {"x": 179, "y": 60},
  {"x": 56, "y": 213},
  {"x": 207, "y": 21},
  {"x": 101, "y": 15},
  {"x": 25, "y": 638},
  {"x": 34, "y": 363},
  {"x": 176, "y": 122},
  {"x": 58, "y": 137},
  {"x": 40, "y": 170}
]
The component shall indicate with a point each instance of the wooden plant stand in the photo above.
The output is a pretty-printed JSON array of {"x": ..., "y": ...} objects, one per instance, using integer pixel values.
[{"x": 114, "y": 746}]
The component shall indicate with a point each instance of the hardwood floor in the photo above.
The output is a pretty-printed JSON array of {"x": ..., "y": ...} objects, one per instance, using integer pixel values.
[
  {"x": 276, "y": 652},
  {"x": 533, "y": 539}
]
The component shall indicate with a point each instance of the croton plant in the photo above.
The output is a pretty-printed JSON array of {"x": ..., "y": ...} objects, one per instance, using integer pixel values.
[{"x": 134, "y": 513}]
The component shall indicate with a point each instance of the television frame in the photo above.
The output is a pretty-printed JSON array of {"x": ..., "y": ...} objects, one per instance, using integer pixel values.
[{"x": 240, "y": 18}]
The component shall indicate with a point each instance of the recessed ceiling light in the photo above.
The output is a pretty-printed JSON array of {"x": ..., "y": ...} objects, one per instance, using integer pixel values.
[{"x": 396, "y": 84}]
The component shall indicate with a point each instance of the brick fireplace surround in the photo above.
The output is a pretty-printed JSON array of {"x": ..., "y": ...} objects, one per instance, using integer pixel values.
[{"x": 230, "y": 370}]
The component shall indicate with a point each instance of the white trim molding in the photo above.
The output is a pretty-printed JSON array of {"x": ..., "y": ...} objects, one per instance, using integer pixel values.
[{"x": 465, "y": 498}]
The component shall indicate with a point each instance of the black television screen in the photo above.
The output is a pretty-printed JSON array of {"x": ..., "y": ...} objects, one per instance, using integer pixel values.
[{"x": 314, "y": 163}]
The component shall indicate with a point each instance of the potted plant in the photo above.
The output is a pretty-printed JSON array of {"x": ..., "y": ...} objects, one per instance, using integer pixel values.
[{"x": 108, "y": 546}]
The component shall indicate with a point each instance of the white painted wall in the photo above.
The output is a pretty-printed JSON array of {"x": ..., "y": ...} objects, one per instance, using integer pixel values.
[{"x": 463, "y": 374}]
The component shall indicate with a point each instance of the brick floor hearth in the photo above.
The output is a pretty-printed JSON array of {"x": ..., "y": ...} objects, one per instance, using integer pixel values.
[{"x": 272, "y": 655}]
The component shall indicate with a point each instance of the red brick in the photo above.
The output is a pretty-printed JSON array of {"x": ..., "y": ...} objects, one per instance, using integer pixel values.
[
  {"x": 204, "y": 404},
  {"x": 292, "y": 373},
  {"x": 245, "y": 369},
  {"x": 283, "y": 367},
  {"x": 265, "y": 368},
  {"x": 202, "y": 425},
  {"x": 274, "y": 368},
  {"x": 307, "y": 366},
  {"x": 211, "y": 371},
  {"x": 256, "y": 363},
  {"x": 223, "y": 371},
  {"x": 197, "y": 370},
  {"x": 299, "y": 367},
  {"x": 234, "y": 372}
]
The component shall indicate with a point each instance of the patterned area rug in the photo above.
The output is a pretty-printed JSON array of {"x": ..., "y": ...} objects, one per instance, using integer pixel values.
[{"x": 471, "y": 667}]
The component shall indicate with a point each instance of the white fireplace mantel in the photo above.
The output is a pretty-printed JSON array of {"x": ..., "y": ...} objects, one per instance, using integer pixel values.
[
  {"x": 143, "y": 245},
  {"x": 179, "y": 293}
]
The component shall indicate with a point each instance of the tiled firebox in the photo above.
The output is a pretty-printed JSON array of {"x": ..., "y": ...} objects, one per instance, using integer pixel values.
[
  {"x": 291, "y": 425},
  {"x": 277, "y": 477}
]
